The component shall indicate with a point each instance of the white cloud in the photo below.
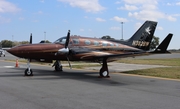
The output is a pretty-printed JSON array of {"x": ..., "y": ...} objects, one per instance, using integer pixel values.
[
  {"x": 147, "y": 10},
  {"x": 87, "y": 5},
  {"x": 65, "y": 21},
  {"x": 90, "y": 30},
  {"x": 119, "y": 19},
  {"x": 169, "y": 4},
  {"x": 117, "y": 2},
  {"x": 159, "y": 28},
  {"x": 6, "y": 6},
  {"x": 171, "y": 18},
  {"x": 21, "y": 18},
  {"x": 149, "y": 7},
  {"x": 151, "y": 15},
  {"x": 100, "y": 19},
  {"x": 174, "y": 4},
  {"x": 176, "y": 15},
  {"x": 35, "y": 21},
  {"x": 141, "y": 1},
  {"x": 86, "y": 17},
  {"x": 39, "y": 12},
  {"x": 115, "y": 28},
  {"x": 81, "y": 30},
  {"x": 137, "y": 25},
  {"x": 129, "y": 7},
  {"x": 146, "y": 15},
  {"x": 178, "y": 3},
  {"x": 4, "y": 20},
  {"x": 42, "y": 1}
]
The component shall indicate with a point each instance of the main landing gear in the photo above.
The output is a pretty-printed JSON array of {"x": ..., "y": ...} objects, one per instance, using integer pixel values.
[
  {"x": 28, "y": 71},
  {"x": 104, "y": 72},
  {"x": 57, "y": 66}
]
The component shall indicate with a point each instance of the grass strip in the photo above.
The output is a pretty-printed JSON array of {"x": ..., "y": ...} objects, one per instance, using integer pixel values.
[{"x": 165, "y": 72}]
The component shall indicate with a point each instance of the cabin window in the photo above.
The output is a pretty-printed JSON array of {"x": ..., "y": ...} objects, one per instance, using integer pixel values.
[
  {"x": 104, "y": 44},
  {"x": 111, "y": 44},
  {"x": 87, "y": 42},
  {"x": 75, "y": 41},
  {"x": 96, "y": 43}
]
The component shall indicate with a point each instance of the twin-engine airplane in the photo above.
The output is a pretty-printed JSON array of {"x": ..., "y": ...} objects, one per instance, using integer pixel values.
[{"x": 76, "y": 48}]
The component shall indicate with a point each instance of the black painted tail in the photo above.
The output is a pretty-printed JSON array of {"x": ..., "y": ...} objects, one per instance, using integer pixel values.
[
  {"x": 162, "y": 48},
  {"x": 142, "y": 37}
]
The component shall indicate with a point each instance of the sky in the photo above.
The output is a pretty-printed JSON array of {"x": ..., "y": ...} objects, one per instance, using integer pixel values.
[{"x": 51, "y": 19}]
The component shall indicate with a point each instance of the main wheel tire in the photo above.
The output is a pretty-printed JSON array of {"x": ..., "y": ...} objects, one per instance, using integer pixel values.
[
  {"x": 28, "y": 72},
  {"x": 58, "y": 68},
  {"x": 103, "y": 73}
]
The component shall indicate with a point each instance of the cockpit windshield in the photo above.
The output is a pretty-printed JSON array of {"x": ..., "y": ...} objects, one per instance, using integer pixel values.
[{"x": 61, "y": 40}]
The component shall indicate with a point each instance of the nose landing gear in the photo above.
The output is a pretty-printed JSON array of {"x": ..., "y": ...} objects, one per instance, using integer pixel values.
[
  {"x": 28, "y": 71},
  {"x": 57, "y": 66}
]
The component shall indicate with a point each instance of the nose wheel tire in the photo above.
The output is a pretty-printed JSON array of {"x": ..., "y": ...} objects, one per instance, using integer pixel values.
[{"x": 28, "y": 72}]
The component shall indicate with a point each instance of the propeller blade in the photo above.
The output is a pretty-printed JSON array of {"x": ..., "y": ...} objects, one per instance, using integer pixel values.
[
  {"x": 69, "y": 62},
  {"x": 65, "y": 50},
  {"x": 30, "y": 42},
  {"x": 30, "y": 39},
  {"x": 67, "y": 39}
]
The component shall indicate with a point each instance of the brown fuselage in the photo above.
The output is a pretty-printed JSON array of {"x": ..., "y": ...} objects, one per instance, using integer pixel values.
[{"x": 81, "y": 48}]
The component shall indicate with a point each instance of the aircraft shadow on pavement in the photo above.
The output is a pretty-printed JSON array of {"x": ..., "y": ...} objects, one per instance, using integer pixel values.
[{"x": 85, "y": 76}]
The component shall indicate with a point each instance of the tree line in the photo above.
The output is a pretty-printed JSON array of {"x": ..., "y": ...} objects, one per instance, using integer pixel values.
[{"x": 9, "y": 44}]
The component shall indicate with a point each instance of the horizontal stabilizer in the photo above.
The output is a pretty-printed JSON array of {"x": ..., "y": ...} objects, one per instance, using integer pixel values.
[{"x": 162, "y": 48}]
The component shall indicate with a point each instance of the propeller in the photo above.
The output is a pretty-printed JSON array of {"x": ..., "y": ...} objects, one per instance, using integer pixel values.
[
  {"x": 67, "y": 39},
  {"x": 30, "y": 42},
  {"x": 65, "y": 50}
]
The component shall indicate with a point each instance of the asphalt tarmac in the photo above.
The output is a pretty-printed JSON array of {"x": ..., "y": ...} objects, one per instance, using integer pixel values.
[{"x": 82, "y": 89}]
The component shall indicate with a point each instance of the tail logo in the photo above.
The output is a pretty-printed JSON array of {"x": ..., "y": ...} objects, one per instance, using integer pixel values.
[{"x": 148, "y": 30}]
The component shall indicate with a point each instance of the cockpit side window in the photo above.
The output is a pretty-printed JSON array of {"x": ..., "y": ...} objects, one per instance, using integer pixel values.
[
  {"x": 61, "y": 40},
  {"x": 75, "y": 41}
]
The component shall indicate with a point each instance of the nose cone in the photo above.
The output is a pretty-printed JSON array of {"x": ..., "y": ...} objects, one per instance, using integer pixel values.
[{"x": 13, "y": 51}]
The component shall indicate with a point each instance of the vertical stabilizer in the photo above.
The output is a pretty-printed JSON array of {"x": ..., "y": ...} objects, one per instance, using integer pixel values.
[{"x": 143, "y": 36}]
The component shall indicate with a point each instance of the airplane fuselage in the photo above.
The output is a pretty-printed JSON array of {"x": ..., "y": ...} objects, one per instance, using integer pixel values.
[{"x": 82, "y": 47}]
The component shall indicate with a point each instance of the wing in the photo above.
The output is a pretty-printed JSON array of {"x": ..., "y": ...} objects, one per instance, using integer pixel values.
[{"x": 84, "y": 53}]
